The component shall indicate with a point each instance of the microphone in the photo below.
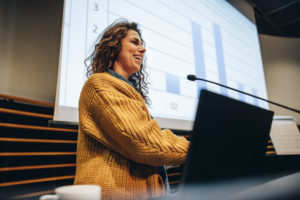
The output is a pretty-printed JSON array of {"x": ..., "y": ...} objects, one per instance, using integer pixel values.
[{"x": 192, "y": 77}]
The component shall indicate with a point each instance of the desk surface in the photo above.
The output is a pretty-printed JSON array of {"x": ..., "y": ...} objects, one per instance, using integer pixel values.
[{"x": 259, "y": 188}]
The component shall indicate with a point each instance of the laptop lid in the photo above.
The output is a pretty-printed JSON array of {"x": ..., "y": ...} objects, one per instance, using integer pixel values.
[{"x": 229, "y": 140}]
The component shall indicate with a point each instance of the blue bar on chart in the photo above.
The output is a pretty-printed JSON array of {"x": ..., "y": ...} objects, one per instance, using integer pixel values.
[
  {"x": 255, "y": 100},
  {"x": 172, "y": 83},
  {"x": 241, "y": 95},
  {"x": 220, "y": 57},
  {"x": 198, "y": 55}
]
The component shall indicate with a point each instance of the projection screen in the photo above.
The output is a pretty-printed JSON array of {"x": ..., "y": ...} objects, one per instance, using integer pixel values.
[{"x": 210, "y": 39}]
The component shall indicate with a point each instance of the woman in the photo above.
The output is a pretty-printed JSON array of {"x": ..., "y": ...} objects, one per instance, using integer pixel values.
[{"x": 119, "y": 145}]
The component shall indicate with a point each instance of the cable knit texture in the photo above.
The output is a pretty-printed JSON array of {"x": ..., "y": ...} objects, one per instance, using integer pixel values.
[{"x": 119, "y": 145}]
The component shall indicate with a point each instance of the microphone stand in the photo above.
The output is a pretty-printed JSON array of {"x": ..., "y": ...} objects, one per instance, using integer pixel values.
[{"x": 193, "y": 78}]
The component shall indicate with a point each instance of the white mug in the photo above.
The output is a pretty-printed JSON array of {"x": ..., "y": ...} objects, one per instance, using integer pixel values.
[{"x": 75, "y": 192}]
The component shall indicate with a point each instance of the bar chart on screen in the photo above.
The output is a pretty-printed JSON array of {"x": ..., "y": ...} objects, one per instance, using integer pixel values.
[{"x": 207, "y": 38}]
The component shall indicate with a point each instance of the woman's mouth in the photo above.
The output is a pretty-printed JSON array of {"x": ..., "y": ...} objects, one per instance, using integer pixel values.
[{"x": 138, "y": 57}]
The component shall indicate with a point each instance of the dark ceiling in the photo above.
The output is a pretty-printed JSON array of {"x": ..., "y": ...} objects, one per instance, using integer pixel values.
[{"x": 277, "y": 17}]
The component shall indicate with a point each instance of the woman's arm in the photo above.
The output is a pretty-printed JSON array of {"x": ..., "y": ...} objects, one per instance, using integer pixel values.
[{"x": 128, "y": 129}]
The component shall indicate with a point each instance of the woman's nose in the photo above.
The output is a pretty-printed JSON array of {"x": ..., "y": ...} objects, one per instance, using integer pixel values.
[{"x": 142, "y": 49}]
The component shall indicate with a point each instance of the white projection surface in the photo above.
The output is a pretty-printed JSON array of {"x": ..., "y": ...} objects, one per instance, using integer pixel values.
[{"x": 210, "y": 39}]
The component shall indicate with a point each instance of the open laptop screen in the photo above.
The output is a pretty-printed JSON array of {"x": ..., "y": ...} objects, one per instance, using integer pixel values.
[{"x": 229, "y": 139}]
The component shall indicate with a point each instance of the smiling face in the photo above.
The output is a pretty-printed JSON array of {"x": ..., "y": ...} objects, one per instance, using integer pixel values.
[{"x": 131, "y": 55}]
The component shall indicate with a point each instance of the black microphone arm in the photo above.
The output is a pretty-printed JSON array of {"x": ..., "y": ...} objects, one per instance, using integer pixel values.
[{"x": 193, "y": 78}]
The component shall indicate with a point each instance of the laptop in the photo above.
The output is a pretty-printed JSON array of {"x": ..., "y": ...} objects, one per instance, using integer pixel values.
[{"x": 229, "y": 140}]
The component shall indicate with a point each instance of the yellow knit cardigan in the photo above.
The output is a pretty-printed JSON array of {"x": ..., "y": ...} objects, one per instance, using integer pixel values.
[{"x": 119, "y": 145}]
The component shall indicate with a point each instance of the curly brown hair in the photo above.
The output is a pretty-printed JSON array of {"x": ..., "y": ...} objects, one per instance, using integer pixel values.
[{"x": 107, "y": 51}]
